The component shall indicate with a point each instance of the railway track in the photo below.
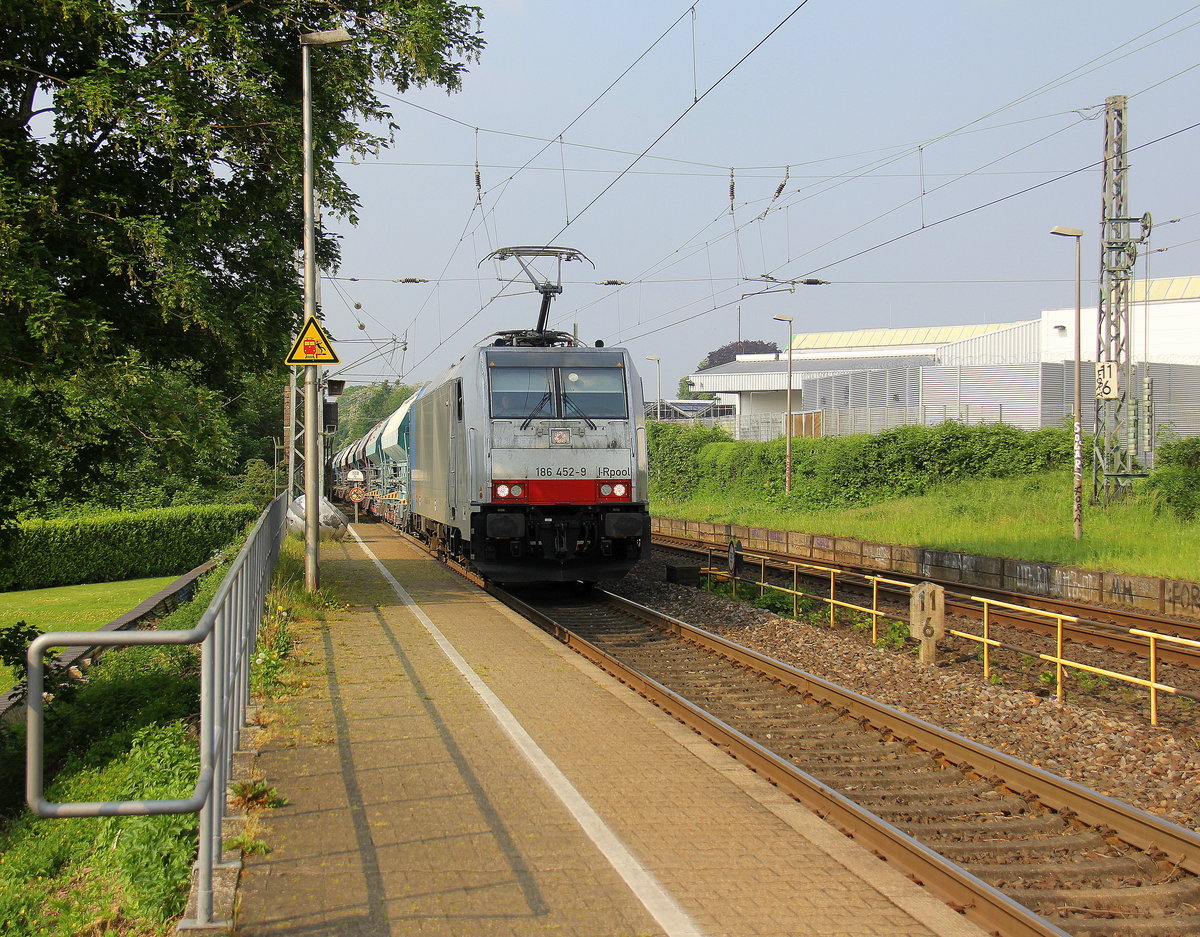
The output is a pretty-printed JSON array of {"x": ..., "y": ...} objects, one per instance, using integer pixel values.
[
  {"x": 1018, "y": 850},
  {"x": 1098, "y": 627}
]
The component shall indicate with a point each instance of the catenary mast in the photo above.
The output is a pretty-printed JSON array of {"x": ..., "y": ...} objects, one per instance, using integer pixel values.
[{"x": 1116, "y": 423}]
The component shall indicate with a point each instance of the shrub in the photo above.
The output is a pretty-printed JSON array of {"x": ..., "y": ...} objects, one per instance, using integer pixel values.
[
  {"x": 1176, "y": 483},
  {"x": 846, "y": 471},
  {"x": 109, "y": 547},
  {"x": 674, "y": 470}
]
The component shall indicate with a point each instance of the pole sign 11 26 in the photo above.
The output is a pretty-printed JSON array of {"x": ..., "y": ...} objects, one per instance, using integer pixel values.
[{"x": 1108, "y": 380}]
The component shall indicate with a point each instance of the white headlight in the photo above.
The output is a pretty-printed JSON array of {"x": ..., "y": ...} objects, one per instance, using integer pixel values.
[
  {"x": 619, "y": 491},
  {"x": 502, "y": 491}
]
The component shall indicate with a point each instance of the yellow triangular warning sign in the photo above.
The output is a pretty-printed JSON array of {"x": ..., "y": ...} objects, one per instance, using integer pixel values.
[{"x": 313, "y": 346}]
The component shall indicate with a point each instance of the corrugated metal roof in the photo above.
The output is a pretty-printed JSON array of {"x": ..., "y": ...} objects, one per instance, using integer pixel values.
[
  {"x": 817, "y": 364},
  {"x": 925, "y": 335},
  {"x": 1165, "y": 289}
]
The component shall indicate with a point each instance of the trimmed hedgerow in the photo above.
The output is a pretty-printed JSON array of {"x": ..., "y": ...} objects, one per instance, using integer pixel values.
[{"x": 108, "y": 547}]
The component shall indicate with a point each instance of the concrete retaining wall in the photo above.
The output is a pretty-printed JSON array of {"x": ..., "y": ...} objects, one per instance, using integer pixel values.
[{"x": 1177, "y": 598}]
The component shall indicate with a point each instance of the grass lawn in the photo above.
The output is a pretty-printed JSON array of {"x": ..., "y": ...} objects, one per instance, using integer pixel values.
[
  {"x": 1026, "y": 518},
  {"x": 73, "y": 608}
]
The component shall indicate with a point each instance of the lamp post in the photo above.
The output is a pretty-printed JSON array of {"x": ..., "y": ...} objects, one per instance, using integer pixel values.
[
  {"x": 1077, "y": 508},
  {"x": 657, "y": 385},
  {"x": 313, "y": 459},
  {"x": 787, "y": 418}
]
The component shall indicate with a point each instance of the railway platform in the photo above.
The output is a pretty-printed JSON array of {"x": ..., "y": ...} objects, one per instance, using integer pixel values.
[{"x": 452, "y": 770}]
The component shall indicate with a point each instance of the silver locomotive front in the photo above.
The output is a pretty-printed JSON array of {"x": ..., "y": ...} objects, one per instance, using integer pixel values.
[{"x": 560, "y": 491}]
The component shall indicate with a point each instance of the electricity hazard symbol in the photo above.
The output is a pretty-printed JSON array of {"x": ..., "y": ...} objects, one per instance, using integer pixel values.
[{"x": 313, "y": 346}]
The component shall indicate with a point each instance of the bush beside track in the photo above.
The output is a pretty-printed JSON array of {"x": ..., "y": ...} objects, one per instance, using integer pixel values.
[
  {"x": 108, "y": 547},
  {"x": 845, "y": 471}
]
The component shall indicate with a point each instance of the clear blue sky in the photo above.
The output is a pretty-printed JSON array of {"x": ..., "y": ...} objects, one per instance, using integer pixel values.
[{"x": 884, "y": 119}]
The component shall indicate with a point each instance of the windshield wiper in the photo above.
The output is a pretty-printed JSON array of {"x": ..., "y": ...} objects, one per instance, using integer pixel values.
[
  {"x": 534, "y": 412},
  {"x": 571, "y": 403}
]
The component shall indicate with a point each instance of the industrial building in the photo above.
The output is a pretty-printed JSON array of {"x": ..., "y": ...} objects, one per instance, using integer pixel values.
[{"x": 1020, "y": 373}]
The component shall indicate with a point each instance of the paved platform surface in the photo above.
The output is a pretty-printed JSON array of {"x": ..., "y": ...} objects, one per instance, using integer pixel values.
[{"x": 414, "y": 811}]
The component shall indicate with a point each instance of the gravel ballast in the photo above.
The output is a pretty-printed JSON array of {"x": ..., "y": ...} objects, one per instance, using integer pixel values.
[{"x": 1114, "y": 751}]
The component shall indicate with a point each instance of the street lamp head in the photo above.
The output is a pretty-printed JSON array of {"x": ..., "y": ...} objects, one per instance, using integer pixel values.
[
  {"x": 326, "y": 37},
  {"x": 1066, "y": 232},
  {"x": 653, "y": 358},
  {"x": 784, "y": 318}
]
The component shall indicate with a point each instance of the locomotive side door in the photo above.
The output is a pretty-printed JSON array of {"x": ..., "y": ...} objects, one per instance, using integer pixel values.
[{"x": 456, "y": 436}]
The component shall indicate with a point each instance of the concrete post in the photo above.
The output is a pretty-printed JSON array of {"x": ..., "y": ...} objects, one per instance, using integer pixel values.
[{"x": 927, "y": 618}]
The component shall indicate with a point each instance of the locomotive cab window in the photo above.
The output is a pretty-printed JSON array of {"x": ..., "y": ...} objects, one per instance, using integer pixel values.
[
  {"x": 598, "y": 393},
  {"x": 558, "y": 393},
  {"x": 520, "y": 393}
]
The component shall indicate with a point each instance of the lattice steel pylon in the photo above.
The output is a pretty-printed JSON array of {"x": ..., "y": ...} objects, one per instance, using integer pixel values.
[
  {"x": 1114, "y": 464},
  {"x": 293, "y": 418}
]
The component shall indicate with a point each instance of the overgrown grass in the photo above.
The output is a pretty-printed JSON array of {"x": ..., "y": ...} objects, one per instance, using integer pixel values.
[
  {"x": 109, "y": 875},
  {"x": 122, "y": 735},
  {"x": 73, "y": 608},
  {"x": 1027, "y": 517},
  {"x": 126, "y": 733},
  {"x": 288, "y": 585}
]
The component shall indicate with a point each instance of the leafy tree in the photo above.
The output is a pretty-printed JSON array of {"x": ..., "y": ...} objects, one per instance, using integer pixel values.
[
  {"x": 362, "y": 407},
  {"x": 686, "y": 392},
  {"x": 150, "y": 174},
  {"x": 727, "y": 353}
]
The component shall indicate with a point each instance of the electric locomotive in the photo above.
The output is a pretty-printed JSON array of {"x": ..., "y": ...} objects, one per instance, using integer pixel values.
[
  {"x": 529, "y": 461},
  {"x": 526, "y": 459}
]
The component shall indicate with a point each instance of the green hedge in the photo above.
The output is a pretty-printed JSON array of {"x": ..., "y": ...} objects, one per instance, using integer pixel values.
[
  {"x": 845, "y": 471},
  {"x": 1176, "y": 483},
  {"x": 674, "y": 468},
  {"x": 111, "y": 547}
]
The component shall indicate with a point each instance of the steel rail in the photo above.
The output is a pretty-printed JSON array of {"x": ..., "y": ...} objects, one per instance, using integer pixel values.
[
  {"x": 1134, "y": 826},
  {"x": 978, "y": 900},
  {"x": 1091, "y": 630}
]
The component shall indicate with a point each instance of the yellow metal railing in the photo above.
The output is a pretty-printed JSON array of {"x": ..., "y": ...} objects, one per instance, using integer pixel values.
[
  {"x": 797, "y": 593},
  {"x": 1061, "y": 663}
]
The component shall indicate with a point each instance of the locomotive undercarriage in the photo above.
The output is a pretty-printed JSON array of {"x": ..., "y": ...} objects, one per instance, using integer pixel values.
[{"x": 558, "y": 543}]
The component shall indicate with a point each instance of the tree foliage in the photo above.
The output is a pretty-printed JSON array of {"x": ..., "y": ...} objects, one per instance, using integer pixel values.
[
  {"x": 847, "y": 471},
  {"x": 362, "y": 407},
  {"x": 150, "y": 212},
  {"x": 727, "y": 353}
]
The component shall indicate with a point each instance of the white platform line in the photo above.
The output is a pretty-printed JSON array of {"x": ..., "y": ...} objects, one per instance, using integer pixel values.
[{"x": 673, "y": 919}]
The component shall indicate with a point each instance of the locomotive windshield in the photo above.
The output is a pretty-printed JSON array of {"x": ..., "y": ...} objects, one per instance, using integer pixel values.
[
  {"x": 518, "y": 393},
  {"x": 593, "y": 392},
  {"x": 548, "y": 393}
]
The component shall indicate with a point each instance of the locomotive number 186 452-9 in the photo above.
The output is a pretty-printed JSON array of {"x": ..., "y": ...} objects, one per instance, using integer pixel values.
[
  {"x": 571, "y": 471},
  {"x": 560, "y": 471}
]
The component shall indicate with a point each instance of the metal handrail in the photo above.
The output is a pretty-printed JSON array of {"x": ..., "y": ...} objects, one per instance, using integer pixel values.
[
  {"x": 226, "y": 633},
  {"x": 831, "y": 600},
  {"x": 1061, "y": 663}
]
